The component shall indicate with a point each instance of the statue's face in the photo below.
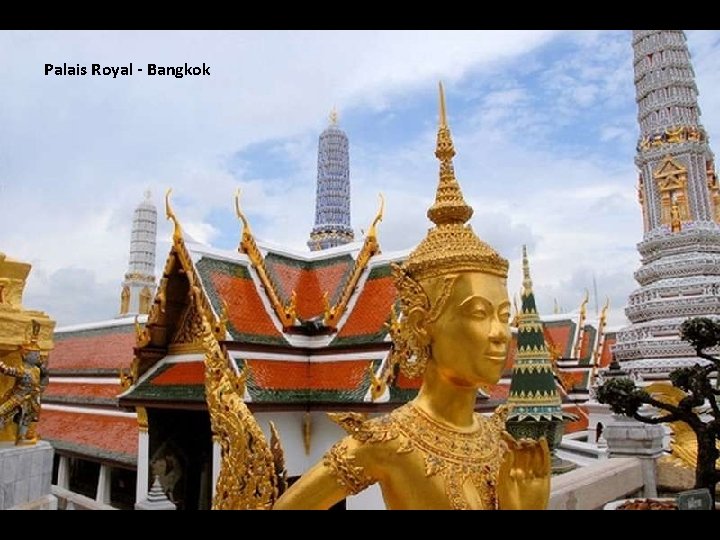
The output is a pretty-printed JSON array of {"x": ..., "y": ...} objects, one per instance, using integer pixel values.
[
  {"x": 32, "y": 358},
  {"x": 469, "y": 339}
]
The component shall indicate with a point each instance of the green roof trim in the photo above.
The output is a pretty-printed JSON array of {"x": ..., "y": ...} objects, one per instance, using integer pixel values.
[
  {"x": 402, "y": 395},
  {"x": 93, "y": 452},
  {"x": 80, "y": 400},
  {"x": 306, "y": 395},
  {"x": 377, "y": 337},
  {"x": 380, "y": 271},
  {"x": 167, "y": 392},
  {"x": 272, "y": 257}
]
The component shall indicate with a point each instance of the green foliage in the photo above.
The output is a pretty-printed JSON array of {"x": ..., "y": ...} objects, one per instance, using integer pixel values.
[
  {"x": 622, "y": 395},
  {"x": 625, "y": 398},
  {"x": 694, "y": 381},
  {"x": 701, "y": 332}
]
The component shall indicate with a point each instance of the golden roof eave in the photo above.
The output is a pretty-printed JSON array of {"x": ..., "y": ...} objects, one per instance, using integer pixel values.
[
  {"x": 371, "y": 247},
  {"x": 287, "y": 314}
]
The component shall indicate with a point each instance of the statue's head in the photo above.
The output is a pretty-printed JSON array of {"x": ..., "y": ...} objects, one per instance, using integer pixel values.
[
  {"x": 30, "y": 350},
  {"x": 453, "y": 290}
]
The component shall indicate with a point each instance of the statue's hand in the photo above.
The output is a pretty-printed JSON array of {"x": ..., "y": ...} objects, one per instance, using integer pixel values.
[{"x": 524, "y": 477}]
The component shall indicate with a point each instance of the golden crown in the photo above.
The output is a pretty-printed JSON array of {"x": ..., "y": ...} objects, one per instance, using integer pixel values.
[{"x": 451, "y": 246}]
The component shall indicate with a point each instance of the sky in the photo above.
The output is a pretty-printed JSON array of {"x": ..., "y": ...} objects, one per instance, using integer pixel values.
[{"x": 544, "y": 123}]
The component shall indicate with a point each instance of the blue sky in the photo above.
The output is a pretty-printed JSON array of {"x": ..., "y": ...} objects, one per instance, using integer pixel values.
[{"x": 544, "y": 125}]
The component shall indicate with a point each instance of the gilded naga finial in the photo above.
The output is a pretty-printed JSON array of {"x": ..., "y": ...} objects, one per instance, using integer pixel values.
[
  {"x": 372, "y": 231},
  {"x": 583, "y": 305},
  {"x": 603, "y": 313},
  {"x": 169, "y": 214},
  {"x": 240, "y": 214}
]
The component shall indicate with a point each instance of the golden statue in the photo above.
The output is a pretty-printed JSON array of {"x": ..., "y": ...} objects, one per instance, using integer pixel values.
[
  {"x": 675, "y": 135},
  {"x": 675, "y": 221},
  {"x": 125, "y": 300},
  {"x": 434, "y": 452},
  {"x": 21, "y": 403}
]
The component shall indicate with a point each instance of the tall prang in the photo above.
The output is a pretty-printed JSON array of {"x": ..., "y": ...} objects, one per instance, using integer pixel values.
[
  {"x": 332, "y": 203},
  {"x": 138, "y": 288},
  {"x": 680, "y": 199}
]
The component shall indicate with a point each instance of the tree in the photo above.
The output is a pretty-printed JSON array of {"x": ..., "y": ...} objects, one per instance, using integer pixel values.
[{"x": 696, "y": 405}]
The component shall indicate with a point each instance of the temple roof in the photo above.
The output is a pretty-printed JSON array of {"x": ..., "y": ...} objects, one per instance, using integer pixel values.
[
  {"x": 108, "y": 437},
  {"x": 80, "y": 404},
  {"x": 313, "y": 278},
  {"x": 229, "y": 277},
  {"x": 102, "y": 347}
]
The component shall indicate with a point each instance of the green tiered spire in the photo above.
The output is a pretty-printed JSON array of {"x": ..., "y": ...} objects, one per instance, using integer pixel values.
[{"x": 533, "y": 393}]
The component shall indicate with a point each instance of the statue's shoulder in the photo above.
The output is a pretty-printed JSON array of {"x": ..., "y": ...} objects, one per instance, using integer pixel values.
[{"x": 365, "y": 429}]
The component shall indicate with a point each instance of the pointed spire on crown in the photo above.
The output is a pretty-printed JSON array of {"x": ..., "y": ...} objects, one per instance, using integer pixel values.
[
  {"x": 450, "y": 206},
  {"x": 527, "y": 282}
]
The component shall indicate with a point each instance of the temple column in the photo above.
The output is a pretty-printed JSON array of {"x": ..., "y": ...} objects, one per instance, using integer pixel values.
[
  {"x": 143, "y": 457},
  {"x": 216, "y": 458},
  {"x": 63, "y": 479},
  {"x": 103, "y": 487}
]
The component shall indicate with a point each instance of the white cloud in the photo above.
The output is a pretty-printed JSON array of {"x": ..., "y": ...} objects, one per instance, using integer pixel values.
[
  {"x": 77, "y": 153},
  {"x": 76, "y": 293}
]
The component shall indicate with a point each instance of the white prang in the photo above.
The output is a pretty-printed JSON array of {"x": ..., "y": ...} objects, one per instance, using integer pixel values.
[
  {"x": 140, "y": 277},
  {"x": 679, "y": 276}
]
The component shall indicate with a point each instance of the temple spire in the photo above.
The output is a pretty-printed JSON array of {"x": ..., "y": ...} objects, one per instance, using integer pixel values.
[
  {"x": 536, "y": 407},
  {"x": 679, "y": 199},
  {"x": 138, "y": 287},
  {"x": 332, "y": 203},
  {"x": 527, "y": 282}
]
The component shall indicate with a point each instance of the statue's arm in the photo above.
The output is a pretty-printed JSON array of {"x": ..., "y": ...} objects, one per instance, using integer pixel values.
[
  {"x": 317, "y": 489},
  {"x": 341, "y": 472},
  {"x": 10, "y": 371}
]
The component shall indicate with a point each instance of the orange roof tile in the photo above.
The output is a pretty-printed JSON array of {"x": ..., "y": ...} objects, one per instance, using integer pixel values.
[
  {"x": 559, "y": 337},
  {"x": 588, "y": 338},
  {"x": 606, "y": 353},
  {"x": 401, "y": 381},
  {"x": 190, "y": 373},
  {"x": 114, "y": 434},
  {"x": 500, "y": 392},
  {"x": 581, "y": 424},
  {"x": 246, "y": 311},
  {"x": 372, "y": 309},
  {"x": 111, "y": 349},
  {"x": 286, "y": 375},
  {"x": 83, "y": 390},
  {"x": 310, "y": 284},
  {"x": 573, "y": 379}
]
